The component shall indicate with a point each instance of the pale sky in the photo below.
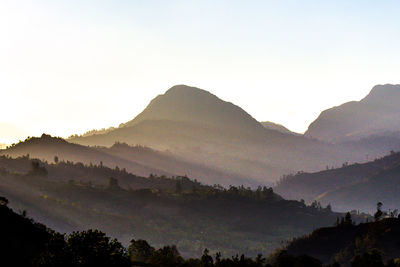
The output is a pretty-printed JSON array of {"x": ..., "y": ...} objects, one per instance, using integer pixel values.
[{"x": 71, "y": 66}]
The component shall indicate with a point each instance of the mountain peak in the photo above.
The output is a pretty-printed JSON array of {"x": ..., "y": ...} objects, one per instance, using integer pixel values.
[
  {"x": 184, "y": 89},
  {"x": 388, "y": 94},
  {"x": 194, "y": 105}
]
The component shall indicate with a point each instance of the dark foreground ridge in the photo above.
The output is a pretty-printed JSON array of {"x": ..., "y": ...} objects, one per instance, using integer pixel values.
[{"x": 26, "y": 243}]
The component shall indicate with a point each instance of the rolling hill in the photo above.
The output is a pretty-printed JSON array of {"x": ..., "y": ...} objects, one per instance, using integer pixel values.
[
  {"x": 139, "y": 160},
  {"x": 354, "y": 186},
  {"x": 69, "y": 197}
]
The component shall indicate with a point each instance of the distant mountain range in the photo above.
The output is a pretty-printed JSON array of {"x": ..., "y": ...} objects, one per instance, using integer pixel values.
[
  {"x": 375, "y": 115},
  {"x": 115, "y": 179},
  {"x": 196, "y": 125},
  {"x": 193, "y": 132},
  {"x": 355, "y": 186},
  {"x": 139, "y": 160}
]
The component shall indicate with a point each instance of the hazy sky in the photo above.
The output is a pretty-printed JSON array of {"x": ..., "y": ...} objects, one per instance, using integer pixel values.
[{"x": 70, "y": 66}]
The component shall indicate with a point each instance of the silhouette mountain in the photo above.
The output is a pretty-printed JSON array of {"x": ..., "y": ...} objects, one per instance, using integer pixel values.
[
  {"x": 190, "y": 104},
  {"x": 196, "y": 125},
  {"x": 377, "y": 114},
  {"x": 47, "y": 147}
]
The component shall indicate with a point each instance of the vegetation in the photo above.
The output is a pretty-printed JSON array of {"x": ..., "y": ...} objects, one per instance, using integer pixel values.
[
  {"x": 27, "y": 243},
  {"x": 353, "y": 186},
  {"x": 365, "y": 244},
  {"x": 176, "y": 210}
]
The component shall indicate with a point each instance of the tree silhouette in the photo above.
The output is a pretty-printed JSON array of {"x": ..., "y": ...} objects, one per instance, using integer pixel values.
[
  {"x": 378, "y": 214},
  {"x": 94, "y": 248},
  {"x": 140, "y": 251}
]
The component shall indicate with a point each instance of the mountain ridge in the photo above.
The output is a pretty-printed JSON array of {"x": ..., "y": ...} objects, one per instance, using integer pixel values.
[{"x": 376, "y": 113}]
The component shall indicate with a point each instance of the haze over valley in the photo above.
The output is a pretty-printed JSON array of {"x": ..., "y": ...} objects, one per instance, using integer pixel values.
[{"x": 199, "y": 133}]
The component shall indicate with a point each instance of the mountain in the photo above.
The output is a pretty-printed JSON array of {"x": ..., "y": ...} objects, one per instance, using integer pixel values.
[
  {"x": 354, "y": 186},
  {"x": 377, "y": 114},
  {"x": 190, "y": 104},
  {"x": 347, "y": 242},
  {"x": 277, "y": 127},
  {"x": 196, "y": 125},
  {"x": 72, "y": 197},
  {"x": 139, "y": 160},
  {"x": 47, "y": 148}
]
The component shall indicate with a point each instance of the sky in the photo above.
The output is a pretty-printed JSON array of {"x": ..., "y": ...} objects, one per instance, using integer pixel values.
[{"x": 67, "y": 67}]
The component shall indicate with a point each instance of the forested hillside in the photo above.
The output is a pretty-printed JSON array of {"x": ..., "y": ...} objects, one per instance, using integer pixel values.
[
  {"x": 136, "y": 159},
  {"x": 68, "y": 197},
  {"x": 354, "y": 186},
  {"x": 366, "y": 244},
  {"x": 27, "y": 243}
]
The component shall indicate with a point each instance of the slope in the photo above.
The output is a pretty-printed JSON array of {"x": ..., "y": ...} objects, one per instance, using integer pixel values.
[
  {"x": 376, "y": 114},
  {"x": 47, "y": 148},
  {"x": 355, "y": 186},
  {"x": 163, "y": 211},
  {"x": 139, "y": 160},
  {"x": 196, "y": 125},
  {"x": 277, "y": 127},
  {"x": 341, "y": 243}
]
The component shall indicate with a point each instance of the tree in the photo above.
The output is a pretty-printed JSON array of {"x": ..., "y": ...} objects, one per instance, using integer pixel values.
[
  {"x": 329, "y": 208},
  {"x": 371, "y": 259},
  {"x": 178, "y": 187},
  {"x": 94, "y": 248},
  {"x": 3, "y": 201},
  {"x": 140, "y": 251},
  {"x": 37, "y": 169},
  {"x": 206, "y": 259},
  {"x": 347, "y": 219},
  {"x": 378, "y": 214},
  {"x": 55, "y": 159},
  {"x": 113, "y": 183},
  {"x": 168, "y": 256}
]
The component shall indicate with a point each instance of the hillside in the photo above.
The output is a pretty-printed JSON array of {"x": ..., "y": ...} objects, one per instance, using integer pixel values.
[
  {"x": 69, "y": 197},
  {"x": 170, "y": 163},
  {"x": 21, "y": 239},
  {"x": 27, "y": 243},
  {"x": 377, "y": 114},
  {"x": 277, "y": 127},
  {"x": 47, "y": 147},
  {"x": 343, "y": 242},
  {"x": 383, "y": 186},
  {"x": 139, "y": 160},
  {"x": 195, "y": 125},
  {"x": 354, "y": 186}
]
